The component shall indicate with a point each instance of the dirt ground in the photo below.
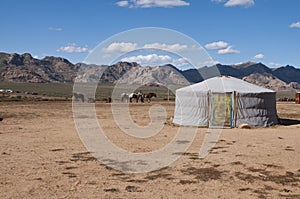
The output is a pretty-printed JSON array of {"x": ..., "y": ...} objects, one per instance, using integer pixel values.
[{"x": 42, "y": 156}]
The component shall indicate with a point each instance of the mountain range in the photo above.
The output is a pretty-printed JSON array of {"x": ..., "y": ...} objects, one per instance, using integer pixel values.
[{"x": 24, "y": 68}]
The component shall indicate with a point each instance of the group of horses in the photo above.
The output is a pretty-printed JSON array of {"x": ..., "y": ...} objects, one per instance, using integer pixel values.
[
  {"x": 79, "y": 97},
  {"x": 285, "y": 99},
  {"x": 125, "y": 97}
]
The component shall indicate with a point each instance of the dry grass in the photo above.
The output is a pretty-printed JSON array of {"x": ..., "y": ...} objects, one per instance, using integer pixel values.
[{"x": 42, "y": 156}]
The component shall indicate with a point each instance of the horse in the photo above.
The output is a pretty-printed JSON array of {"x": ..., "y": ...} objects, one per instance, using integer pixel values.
[
  {"x": 124, "y": 97},
  {"x": 136, "y": 96},
  {"x": 78, "y": 97},
  {"x": 91, "y": 100},
  {"x": 108, "y": 100},
  {"x": 148, "y": 96}
]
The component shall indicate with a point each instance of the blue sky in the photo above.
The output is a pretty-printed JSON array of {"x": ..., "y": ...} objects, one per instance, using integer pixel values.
[{"x": 232, "y": 31}]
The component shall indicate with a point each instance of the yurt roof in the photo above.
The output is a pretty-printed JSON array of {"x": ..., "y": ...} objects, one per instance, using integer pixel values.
[{"x": 223, "y": 84}]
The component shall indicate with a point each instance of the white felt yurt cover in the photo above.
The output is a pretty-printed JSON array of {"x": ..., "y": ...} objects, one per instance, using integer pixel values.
[{"x": 254, "y": 105}]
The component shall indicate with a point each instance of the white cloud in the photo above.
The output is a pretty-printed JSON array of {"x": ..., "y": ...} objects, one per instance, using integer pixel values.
[
  {"x": 295, "y": 25},
  {"x": 151, "y": 59},
  {"x": 35, "y": 57},
  {"x": 166, "y": 47},
  {"x": 55, "y": 29},
  {"x": 222, "y": 47},
  {"x": 243, "y": 3},
  {"x": 259, "y": 56},
  {"x": 228, "y": 50},
  {"x": 209, "y": 63},
  {"x": 218, "y": 1},
  {"x": 152, "y": 3},
  {"x": 180, "y": 62},
  {"x": 122, "y": 47},
  {"x": 73, "y": 48},
  {"x": 231, "y": 3},
  {"x": 216, "y": 45},
  {"x": 122, "y": 3},
  {"x": 274, "y": 64},
  {"x": 156, "y": 60}
]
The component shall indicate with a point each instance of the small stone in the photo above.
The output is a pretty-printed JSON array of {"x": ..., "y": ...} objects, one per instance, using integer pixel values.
[{"x": 244, "y": 126}]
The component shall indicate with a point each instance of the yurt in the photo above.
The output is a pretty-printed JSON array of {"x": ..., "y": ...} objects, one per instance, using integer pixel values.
[
  {"x": 297, "y": 99},
  {"x": 225, "y": 102}
]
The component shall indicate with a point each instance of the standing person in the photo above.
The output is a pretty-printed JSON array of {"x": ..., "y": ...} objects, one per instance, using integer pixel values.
[{"x": 140, "y": 94}]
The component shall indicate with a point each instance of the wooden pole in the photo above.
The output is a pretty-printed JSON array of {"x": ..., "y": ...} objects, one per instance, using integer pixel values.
[
  {"x": 209, "y": 98},
  {"x": 235, "y": 107}
]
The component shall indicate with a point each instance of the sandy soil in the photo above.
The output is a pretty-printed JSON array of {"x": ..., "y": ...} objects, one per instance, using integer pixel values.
[{"x": 43, "y": 157}]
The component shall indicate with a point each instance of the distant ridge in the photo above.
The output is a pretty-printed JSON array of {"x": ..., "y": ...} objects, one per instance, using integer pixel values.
[{"x": 24, "y": 68}]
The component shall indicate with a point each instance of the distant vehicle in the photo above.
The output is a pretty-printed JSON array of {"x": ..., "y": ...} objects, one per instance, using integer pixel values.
[{"x": 6, "y": 91}]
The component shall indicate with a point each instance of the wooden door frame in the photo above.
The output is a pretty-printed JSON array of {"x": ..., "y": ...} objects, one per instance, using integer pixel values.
[{"x": 233, "y": 111}]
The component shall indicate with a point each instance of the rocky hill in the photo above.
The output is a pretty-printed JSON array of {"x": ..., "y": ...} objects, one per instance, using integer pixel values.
[
  {"x": 25, "y": 68},
  {"x": 284, "y": 78},
  {"x": 164, "y": 75},
  {"x": 271, "y": 82}
]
